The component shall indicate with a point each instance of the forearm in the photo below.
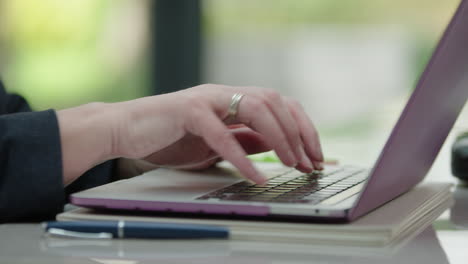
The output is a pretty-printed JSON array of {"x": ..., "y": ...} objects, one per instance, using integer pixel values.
[{"x": 86, "y": 138}]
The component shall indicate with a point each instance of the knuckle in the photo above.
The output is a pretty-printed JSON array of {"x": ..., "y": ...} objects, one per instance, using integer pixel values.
[
  {"x": 295, "y": 103},
  {"x": 256, "y": 106},
  {"x": 271, "y": 96}
]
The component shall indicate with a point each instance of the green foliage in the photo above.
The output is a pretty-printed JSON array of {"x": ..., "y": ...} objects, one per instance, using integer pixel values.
[{"x": 55, "y": 54}]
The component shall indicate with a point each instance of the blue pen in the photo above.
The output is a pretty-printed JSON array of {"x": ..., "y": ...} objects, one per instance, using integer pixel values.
[{"x": 132, "y": 229}]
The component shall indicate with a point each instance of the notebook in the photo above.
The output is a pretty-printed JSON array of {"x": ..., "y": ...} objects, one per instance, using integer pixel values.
[
  {"x": 388, "y": 226},
  {"x": 336, "y": 194}
]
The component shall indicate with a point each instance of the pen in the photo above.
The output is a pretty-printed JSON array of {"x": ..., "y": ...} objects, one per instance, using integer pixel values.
[{"x": 132, "y": 229}]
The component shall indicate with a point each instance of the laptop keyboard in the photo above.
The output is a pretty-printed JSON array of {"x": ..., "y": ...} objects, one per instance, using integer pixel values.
[{"x": 293, "y": 187}]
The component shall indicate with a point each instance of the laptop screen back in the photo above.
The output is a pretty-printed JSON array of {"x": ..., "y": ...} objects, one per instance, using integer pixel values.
[{"x": 426, "y": 120}]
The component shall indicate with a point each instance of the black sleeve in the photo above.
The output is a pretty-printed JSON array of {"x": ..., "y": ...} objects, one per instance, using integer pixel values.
[
  {"x": 12, "y": 103},
  {"x": 31, "y": 184}
]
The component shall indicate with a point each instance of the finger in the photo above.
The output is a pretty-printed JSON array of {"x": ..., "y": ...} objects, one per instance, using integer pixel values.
[
  {"x": 206, "y": 124},
  {"x": 302, "y": 168},
  {"x": 305, "y": 165},
  {"x": 257, "y": 110},
  {"x": 276, "y": 104},
  {"x": 259, "y": 117},
  {"x": 308, "y": 133}
]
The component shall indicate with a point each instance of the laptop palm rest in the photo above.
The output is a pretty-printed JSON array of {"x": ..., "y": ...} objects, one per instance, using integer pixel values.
[{"x": 165, "y": 184}]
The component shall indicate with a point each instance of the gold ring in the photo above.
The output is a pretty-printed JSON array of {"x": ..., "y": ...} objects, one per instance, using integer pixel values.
[{"x": 234, "y": 106}]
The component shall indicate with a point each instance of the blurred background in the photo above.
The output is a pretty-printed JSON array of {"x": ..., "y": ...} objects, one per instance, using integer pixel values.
[{"x": 352, "y": 63}]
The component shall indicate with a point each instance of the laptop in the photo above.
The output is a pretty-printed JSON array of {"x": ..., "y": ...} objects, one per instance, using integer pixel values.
[{"x": 339, "y": 193}]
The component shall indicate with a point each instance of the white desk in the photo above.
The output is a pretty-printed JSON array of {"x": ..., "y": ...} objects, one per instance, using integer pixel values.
[
  {"x": 25, "y": 244},
  {"x": 442, "y": 243}
]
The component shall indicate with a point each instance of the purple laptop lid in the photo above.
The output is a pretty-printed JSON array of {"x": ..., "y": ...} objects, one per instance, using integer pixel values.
[{"x": 426, "y": 120}]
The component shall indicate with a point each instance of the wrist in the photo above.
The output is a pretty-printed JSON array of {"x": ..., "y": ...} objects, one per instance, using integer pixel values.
[
  {"x": 145, "y": 125},
  {"x": 86, "y": 138}
]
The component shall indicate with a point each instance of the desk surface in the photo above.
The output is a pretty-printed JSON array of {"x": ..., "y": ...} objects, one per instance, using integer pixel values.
[
  {"x": 444, "y": 242},
  {"x": 25, "y": 243}
]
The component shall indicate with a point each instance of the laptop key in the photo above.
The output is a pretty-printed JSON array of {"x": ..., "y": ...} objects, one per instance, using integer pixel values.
[{"x": 292, "y": 186}]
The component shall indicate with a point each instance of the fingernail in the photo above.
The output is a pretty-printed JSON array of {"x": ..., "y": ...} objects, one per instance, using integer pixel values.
[
  {"x": 291, "y": 159},
  {"x": 306, "y": 162},
  {"x": 318, "y": 165},
  {"x": 261, "y": 180}
]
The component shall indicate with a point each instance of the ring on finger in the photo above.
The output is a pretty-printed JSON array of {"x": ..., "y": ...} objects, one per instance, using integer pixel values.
[{"x": 234, "y": 105}]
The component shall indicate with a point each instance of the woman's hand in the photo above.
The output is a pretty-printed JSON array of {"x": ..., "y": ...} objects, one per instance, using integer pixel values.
[{"x": 192, "y": 129}]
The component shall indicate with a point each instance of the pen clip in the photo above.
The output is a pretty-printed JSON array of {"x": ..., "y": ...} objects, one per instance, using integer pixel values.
[{"x": 73, "y": 234}]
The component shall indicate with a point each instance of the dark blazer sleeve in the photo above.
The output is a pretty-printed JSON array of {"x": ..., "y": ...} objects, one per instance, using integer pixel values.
[{"x": 31, "y": 184}]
